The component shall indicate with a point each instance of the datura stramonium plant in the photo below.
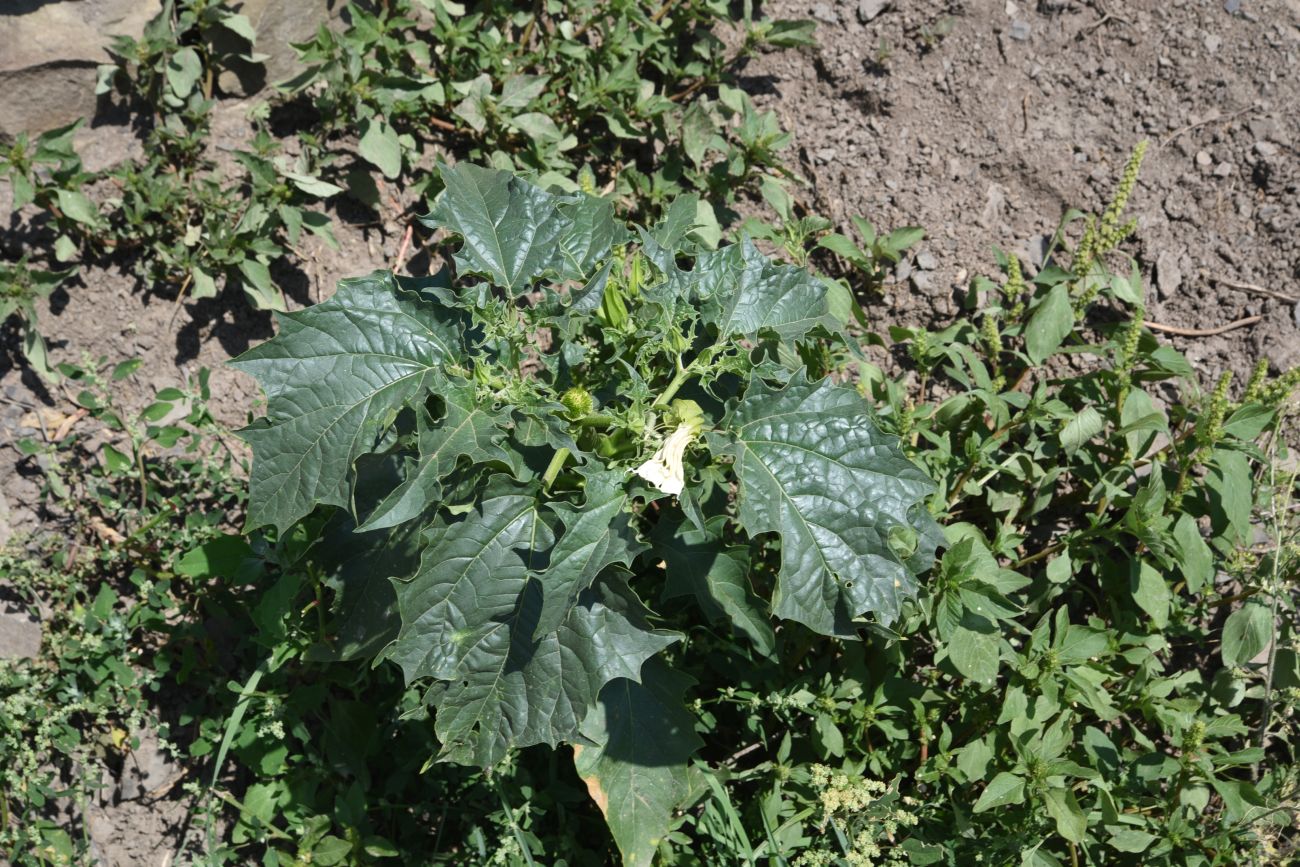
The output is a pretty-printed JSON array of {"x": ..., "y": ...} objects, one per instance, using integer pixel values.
[{"x": 502, "y": 460}]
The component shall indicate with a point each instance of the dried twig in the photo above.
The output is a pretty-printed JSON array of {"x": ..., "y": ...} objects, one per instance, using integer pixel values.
[
  {"x": 66, "y": 427},
  {"x": 401, "y": 251},
  {"x": 1203, "y": 332},
  {"x": 663, "y": 10},
  {"x": 167, "y": 786},
  {"x": 1209, "y": 120},
  {"x": 740, "y": 754},
  {"x": 104, "y": 532},
  {"x": 1256, "y": 290},
  {"x": 180, "y": 297}
]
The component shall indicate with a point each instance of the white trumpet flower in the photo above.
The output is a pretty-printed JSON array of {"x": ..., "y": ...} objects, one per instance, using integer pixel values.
[{"x": 664, "y": 470}]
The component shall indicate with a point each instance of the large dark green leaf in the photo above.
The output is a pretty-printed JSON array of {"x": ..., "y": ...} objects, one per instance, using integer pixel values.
[
  {"x": 359, "y": 568},
  {"x": 470, "y": 579},
  {"x": 745, "y": 292},
  {"x": 697, "y": 563},
  {"x": 470, "y": 618},
  {"x": 637, "y": 772},
  {"x": 468, "y": 428},
  {"x": 515, "y": 232},
  {"x": 514, "y": 691},
  {"x": 596, "y": 534},
  {"x": 846, "y": 501},
  {"x": 335, "y": 377}
]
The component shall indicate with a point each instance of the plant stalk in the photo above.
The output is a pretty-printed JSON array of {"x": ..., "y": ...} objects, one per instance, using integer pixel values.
[{"x": 553, "y": 470}]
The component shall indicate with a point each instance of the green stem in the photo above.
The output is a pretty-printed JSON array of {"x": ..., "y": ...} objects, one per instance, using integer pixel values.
[
  {"x": 553, "y": 470},
  {"x": 510, "y": 816},
  {"x": 683, "y": 374},
  {"x": 677, "y": 382},
  {"x": 228, "y": 738}
]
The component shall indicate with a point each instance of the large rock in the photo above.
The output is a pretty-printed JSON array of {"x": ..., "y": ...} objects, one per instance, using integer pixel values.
[
  {"x": 278, "y": 23},
  {"x": 48, "y": 54},
  {"x": 20, "y": 635},
  {"x": 49, "y": 51}
]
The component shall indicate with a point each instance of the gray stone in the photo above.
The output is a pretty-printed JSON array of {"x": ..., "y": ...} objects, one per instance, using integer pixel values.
[
  {"x": 869, "y": 10},
  {"x": 20, "y": 635},
  {"x": 926, "y": 261},
  {"x": 1222, "y": 170},
  {"x": 1168, "y": 277},
  {"x": 1203, "y": 159},
  {"x": 1037, "y": 248},
  {"x": 1020, "y": 30},
  {"x": 277, "y": 23},
  {"x": 49, "y": 53},
  {"x": 1212, "y": 43},
  {"x": 6, "y": 529},
  {"x": 824, "y": 13},
  {"x": 1266, "y": 128},
  {"x": 995, "y": 203},
  {"x": 146, "y": 769}
]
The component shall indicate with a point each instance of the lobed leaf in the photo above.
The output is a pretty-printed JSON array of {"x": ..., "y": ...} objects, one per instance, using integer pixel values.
[
  {"x": 515, "y": 691},
  {"x": 471, "y": 615},
  {"x": 515, "y": 232},
  {"x": 846, "y": 501},
  {"x": 697, "y": 563},
  {"x": 637, "y": 770},
  {"x": 467, "y": 428},
  {"x": 335, "y": 377},
  {"x": 597, "y": 534}
]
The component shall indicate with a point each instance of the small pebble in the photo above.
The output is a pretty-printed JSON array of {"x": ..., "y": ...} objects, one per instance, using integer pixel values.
[
  {"x": 1203, "y": 159},
  {"x": 926, "y": 261},
  {"x": 1168, "y": 277},
  {"x": 1265, "y": 148},
  {"x": 1222, "y": 170},
  {"x": 1212, "y": 43},
  {"x": 1019, "y": 30},
  {"x": 824, "y": 13},
  {"x": 868, "y": 10}
]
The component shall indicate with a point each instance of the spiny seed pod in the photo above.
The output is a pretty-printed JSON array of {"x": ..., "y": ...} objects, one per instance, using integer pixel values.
[{"x": 578, "y": 402}]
